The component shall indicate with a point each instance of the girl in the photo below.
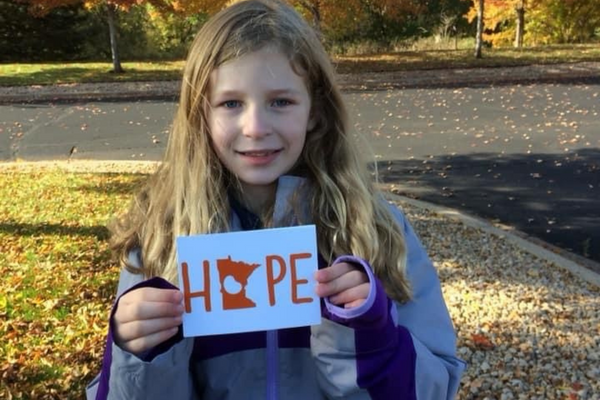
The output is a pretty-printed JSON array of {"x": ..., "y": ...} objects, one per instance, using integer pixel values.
[{"x": 260, "y": 140}]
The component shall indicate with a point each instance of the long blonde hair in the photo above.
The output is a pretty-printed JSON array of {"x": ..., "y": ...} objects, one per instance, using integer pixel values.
[{"x": 189, "y": 192}]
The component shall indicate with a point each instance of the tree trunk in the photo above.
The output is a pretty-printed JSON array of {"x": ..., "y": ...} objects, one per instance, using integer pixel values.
[
  {"x": 520, "y": 10},
  {"x": 112, "y": 30},
  {"x": 479, "y": 37},
  {"x": 455, "y": 33},
  {"x": 315, "y": 12}
]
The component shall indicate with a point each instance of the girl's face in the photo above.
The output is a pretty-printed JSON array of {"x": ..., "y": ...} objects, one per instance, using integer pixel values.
[{"x": 258, "y": 118}]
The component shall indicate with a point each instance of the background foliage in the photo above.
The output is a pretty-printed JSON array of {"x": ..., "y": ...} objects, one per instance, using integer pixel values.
[
  {"x": 76, "y": 33},
  {"x": 546, "y": 21},
  {"x": 69, "y": 30}
]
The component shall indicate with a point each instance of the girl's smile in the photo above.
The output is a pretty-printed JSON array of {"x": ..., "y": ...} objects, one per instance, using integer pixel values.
[
  {"x": 259, "y": 115},
  {"x": 260, "y": 157}
]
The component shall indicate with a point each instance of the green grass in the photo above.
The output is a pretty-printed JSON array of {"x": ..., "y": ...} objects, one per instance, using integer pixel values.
[
  {"x": 58, "y": 279},
  {"x": 61, "y": 73},
  {"x": 65, "y": 73}
]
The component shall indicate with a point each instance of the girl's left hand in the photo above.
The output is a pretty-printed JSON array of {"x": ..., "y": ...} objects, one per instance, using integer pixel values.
[{"x": 345, "y": 284}]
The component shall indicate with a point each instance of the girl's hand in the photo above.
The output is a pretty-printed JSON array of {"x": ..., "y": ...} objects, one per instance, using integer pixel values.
[
  {"x": 147, "y": 317},
  {"x": 345, "y": 284}
]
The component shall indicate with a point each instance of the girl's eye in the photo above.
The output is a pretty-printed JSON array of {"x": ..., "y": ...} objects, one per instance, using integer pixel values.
[
  {"x": 231, "y": 104},
  {"x": 281, "y": 103}
]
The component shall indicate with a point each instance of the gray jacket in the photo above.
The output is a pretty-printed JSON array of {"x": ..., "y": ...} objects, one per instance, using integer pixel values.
[{"x": 380, "y": 350}]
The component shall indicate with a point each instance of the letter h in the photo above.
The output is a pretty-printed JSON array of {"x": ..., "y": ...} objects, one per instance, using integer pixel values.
[{"x": 188, "y": 295}]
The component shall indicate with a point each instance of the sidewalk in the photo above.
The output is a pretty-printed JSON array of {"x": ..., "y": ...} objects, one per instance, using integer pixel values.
[{"x": 584, "y": 72}]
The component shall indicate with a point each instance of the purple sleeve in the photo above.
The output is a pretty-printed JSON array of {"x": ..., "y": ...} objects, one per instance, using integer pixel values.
[
  {"x": 149, "y": 355},
  {"x": 385, "y": 353}
]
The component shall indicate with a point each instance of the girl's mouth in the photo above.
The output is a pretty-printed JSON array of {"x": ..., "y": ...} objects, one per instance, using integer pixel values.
[
  {"x": 258, "y": 153},
  {"x": 259, "y": 157}
]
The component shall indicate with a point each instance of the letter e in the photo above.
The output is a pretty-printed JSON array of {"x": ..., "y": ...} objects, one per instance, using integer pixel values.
[{"x": 296, "y": 281}]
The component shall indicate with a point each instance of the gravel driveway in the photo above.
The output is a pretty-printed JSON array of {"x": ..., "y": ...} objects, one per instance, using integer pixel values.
[{"x": 527, "y": 328}]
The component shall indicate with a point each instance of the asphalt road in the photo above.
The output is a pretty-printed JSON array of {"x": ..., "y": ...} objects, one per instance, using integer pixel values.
[{"x": 526, "y": 156}]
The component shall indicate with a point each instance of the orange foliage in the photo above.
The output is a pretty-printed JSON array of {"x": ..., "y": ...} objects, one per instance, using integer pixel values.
[
  {"x": 495, "y": 12},
  {"x": 499, "y": 17},
  {"x": 546, "y": 21}
]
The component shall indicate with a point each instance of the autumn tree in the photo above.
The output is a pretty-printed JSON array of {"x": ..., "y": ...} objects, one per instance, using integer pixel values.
[
  {"x": 539, "y": 21},
  {"x": 564, "y": 21},
  {"x": 499, "y": 16},
  {"x": 443, "y": 18},
  {"x": 64, "y": 33},
  {"x": 480, "y": 23},
  {"x": 519, "y": 31},
  {"x": 393, "y": 12},
  {"x": 350, "y": 19},
  {"x": 313, "y": 8},
  {"x": 111, "y": 11},
  {"x": 109, "y": 7},
  {"x": 190, "y": 7}
]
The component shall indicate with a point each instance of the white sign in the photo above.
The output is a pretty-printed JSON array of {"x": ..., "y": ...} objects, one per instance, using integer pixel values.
[{"x": 248, "y": 281}]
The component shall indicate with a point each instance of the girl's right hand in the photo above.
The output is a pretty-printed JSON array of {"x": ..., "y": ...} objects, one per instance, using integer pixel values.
[{"x": 146, "y": 317}]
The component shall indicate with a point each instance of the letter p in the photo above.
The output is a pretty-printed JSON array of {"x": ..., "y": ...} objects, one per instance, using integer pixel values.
[{"x": 272, "y": 280}]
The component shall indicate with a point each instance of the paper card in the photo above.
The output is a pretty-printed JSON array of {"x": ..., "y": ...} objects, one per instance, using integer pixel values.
[{"x": 248, "y": 281}]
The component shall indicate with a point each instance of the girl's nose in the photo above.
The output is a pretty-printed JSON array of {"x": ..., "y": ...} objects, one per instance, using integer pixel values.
[{"x": 256, "y": 123}]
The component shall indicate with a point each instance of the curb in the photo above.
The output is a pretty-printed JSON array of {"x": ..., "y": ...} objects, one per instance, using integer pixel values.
[
  {"x": 109, "y": 92},
  {"x": 66, "y": 98},
  {"x": 477, "y": 81},
  {"x": 585, "y": 269}
]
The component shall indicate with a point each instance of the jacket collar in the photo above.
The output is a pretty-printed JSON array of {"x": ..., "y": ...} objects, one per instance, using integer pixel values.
[{"x": 287, "y": 186}]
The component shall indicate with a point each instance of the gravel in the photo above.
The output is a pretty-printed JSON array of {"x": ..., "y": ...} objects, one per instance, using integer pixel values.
[{"x": 527, "y": 328}]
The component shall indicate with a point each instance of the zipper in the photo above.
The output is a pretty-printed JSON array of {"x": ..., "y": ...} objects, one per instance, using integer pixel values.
[{"x": 272, "y": 364}]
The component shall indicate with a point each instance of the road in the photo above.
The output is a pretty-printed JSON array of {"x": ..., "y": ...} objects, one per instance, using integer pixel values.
[{"x": 525, "y": 156}]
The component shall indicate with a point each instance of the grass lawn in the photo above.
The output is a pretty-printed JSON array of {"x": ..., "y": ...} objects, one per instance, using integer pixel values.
[
  {"x": 58, "y": 278},
  {"x": 54, "y": 73}
]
